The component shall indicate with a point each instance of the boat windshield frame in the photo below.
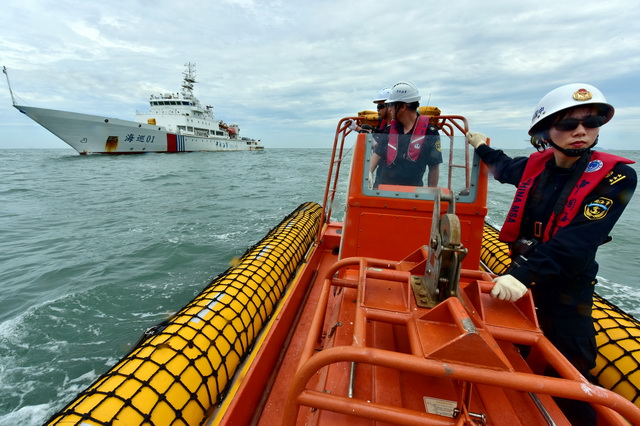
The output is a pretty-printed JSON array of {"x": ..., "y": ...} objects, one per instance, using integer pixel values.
[{"x": 464, "y": 193}]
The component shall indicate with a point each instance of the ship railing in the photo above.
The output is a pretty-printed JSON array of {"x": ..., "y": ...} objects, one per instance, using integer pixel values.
[
  {"x": 337, "y": 157},
  {"x": 448, "y": 124},
  {"x": 423, "y": 357}
]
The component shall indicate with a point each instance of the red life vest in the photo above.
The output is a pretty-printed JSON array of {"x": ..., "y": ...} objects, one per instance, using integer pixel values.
[
  {"x": 600, "y": 164},
  {"x": 417, "y": 139},
  {"x": 382, "y": 125}
]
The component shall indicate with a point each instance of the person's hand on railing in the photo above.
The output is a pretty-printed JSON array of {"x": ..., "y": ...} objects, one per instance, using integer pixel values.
[
  {"x": 365, "y": 128},
  {"x": 476, "y": 139}
]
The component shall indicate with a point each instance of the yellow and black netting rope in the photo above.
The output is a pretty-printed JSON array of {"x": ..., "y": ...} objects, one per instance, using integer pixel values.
[
  {"x": 181, "y": 368},
  {"x": 494, "y": 254},
  {"x": 618, "y": 333},
  {"x": 618, "y": 341}
]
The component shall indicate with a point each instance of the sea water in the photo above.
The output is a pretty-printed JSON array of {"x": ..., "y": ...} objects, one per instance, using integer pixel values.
[{"x": 96, "y": 249}]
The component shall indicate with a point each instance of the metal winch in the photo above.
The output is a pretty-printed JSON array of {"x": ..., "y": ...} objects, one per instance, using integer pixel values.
[{"x": 445, "y": 253}]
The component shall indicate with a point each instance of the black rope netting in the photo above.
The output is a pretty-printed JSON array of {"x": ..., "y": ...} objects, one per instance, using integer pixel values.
[
  {"x": 494, "y": 254},
  {"x": 182, "y": 367},
  {"x": 618, "y": 360}
]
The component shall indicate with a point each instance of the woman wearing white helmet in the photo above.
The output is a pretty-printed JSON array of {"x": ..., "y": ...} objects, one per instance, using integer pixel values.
[{"x": 567, "y": 201}]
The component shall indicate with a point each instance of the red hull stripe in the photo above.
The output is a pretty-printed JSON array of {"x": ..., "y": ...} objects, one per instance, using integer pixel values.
[{"x": 171, "y": 142}]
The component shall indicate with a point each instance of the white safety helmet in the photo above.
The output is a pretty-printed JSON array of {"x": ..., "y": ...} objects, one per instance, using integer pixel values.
[
  {"x": 568, "y": 96},
  {"x": 383, "y": 95},
  {"x": 404, "y": 91}
]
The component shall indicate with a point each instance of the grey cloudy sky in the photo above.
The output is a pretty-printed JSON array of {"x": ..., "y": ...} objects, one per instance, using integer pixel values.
[{"x": 287, "y": 71}]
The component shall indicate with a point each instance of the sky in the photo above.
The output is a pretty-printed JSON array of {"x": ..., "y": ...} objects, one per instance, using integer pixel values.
[{"x": 287, "y": 71}]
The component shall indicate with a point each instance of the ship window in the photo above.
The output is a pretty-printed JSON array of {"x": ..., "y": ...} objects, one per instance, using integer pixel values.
[{"x": 185, "y": 103}]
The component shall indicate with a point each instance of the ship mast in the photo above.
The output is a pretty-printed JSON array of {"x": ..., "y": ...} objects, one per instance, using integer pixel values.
[
  {"x": 189, "y": 80},
  {"x": 4, "y": 70}
]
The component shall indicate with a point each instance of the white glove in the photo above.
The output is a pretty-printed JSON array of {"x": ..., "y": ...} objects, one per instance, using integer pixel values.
[
  {"x": 508, "y": 288},
  {"x": 370, "y": 180},
  {"x": 476, "y": 139},
  {"x": 352, "y": 125}
]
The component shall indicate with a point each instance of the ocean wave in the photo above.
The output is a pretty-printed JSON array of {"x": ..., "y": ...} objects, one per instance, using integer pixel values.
[
  {"x": 623, "y": 296},
  {"x": 28, "y": 415}
]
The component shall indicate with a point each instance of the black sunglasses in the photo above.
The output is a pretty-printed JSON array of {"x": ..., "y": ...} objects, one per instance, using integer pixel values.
[
  {"x": 381, "y": 106},
  {"x": 590, "y": 122}
]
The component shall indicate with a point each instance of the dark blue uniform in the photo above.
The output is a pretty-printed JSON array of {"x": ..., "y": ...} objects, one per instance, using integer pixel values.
[{"x": 564, "y": 268}]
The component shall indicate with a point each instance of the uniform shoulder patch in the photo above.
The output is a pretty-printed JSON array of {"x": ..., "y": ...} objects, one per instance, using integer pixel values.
[
  {"x": 613, "y": 177},
  {"x": 598, "y": 208}
]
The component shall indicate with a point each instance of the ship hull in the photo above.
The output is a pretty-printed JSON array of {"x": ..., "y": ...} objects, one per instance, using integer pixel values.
[{"x": 93, "y": 134}]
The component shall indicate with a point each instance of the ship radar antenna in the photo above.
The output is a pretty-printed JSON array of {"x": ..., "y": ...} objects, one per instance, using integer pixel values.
[
  {"x": 4, "y": 70},
  {"x": 189, "y": 79}
]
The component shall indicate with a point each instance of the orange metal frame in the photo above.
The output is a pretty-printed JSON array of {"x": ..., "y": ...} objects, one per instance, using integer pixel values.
[
  {"x": 456, "y": 341},
  {"x": 351, "y": 344},
  {"x": 368, "y": 216}
]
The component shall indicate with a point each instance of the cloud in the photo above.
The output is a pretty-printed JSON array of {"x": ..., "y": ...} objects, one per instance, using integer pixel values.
[{"x": 286, "y": 72}]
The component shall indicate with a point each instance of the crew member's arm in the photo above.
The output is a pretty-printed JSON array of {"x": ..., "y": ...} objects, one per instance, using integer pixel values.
[
  {"x": 572, "y": 249},
  {"x": 373, "y": 163},
  {"x": 433, "y": 175},
  {"x": 503, "y": 168},
  {"x": 433, "y": 154}
]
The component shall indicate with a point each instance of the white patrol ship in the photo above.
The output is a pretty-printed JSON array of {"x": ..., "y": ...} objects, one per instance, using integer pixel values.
[{"x": 176, "y": 122}]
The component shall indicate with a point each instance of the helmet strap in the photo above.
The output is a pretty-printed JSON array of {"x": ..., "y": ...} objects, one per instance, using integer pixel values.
[{"x": 572, "y": 152}]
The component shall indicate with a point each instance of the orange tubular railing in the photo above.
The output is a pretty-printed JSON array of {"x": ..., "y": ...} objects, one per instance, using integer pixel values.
[
  {"x": 572, "y": 385},
  {"x": 331, "y": 187}
]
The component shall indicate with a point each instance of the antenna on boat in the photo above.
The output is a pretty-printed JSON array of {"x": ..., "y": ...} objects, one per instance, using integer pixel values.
[
  {"x": 4, "y": 70},
  {"x": 429, "y": 100}
]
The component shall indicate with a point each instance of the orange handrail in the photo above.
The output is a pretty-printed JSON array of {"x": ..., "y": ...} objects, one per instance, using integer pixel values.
[{"x": 572, "y": 385}]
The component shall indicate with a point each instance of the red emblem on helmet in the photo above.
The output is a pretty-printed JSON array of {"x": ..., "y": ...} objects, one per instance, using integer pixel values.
[{"x": 582, "y": 95}]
